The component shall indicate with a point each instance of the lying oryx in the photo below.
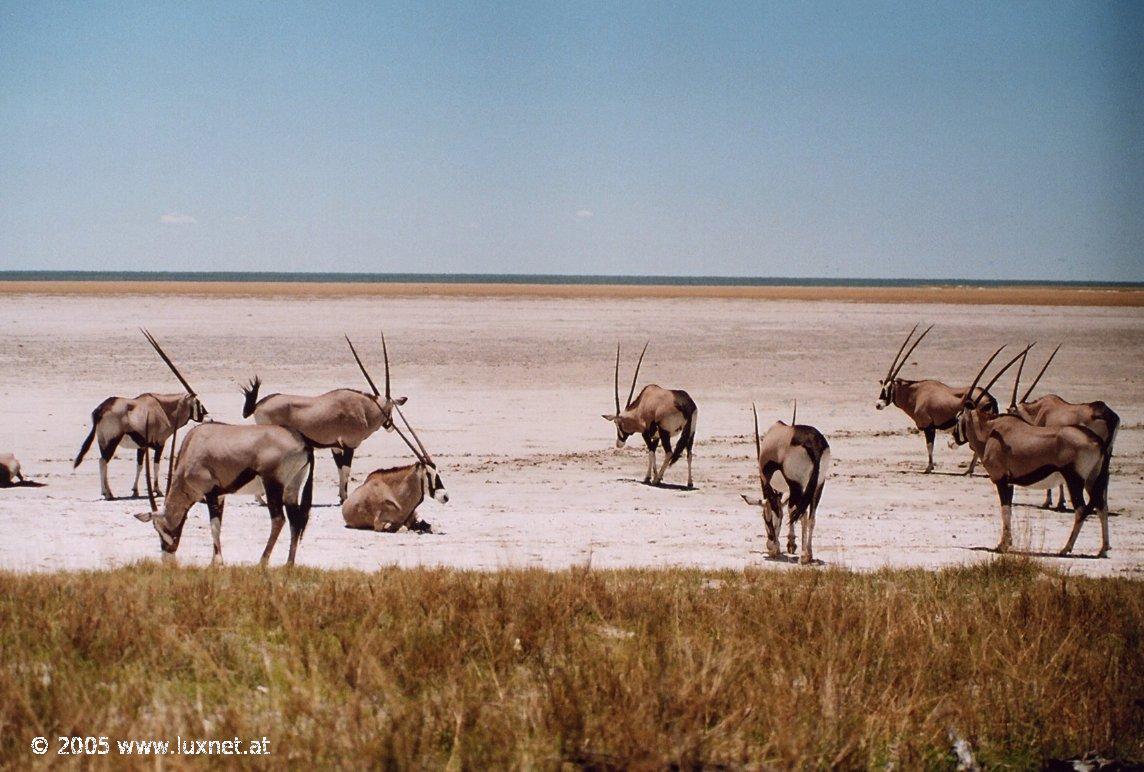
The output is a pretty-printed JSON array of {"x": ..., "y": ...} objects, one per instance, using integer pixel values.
[
  {"x": 1014, "y": 452},
  {"x": 1051, "y": 410},
  {"x": 389, "y": 498},
  {"x": 340, "y": 420},
  {"x": 657, "y": 414},
  {"x": 794, "y": 460},
  {"x": 931, "y": 405},
  {"x": 10, "y": 472},
  {"x": 145, "y": 422},
  {"x": 216, "y": 459}
]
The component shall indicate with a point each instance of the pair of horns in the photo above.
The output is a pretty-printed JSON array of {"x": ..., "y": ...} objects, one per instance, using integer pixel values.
[
  {"x": 1017, "y": 381},
  {"x": 163, "y": 355},
  {"x": 969, "y": 394},
  {"x": 896, "y": 366},
  {"x": 419, "y": 451},
  {"x": 385, "y": 353},
  {"x": 632, "y": 390}
]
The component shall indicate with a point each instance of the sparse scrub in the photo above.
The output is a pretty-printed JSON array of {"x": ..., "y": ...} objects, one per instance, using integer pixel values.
[{"x": 432, "y": 668}]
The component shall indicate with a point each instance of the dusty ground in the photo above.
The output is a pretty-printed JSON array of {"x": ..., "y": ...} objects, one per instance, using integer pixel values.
[{"x": 507, "y": 391}]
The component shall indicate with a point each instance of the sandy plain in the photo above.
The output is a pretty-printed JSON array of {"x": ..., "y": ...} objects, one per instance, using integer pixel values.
[{"x": 507, "y": 386}]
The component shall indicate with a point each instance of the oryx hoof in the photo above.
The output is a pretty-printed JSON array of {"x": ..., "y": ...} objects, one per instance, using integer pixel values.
[
  {"x": 967, "y": 473},
  {"x": 1061, "y": 508},
  {"x": 216, "y": 561},
  {"x": 134, "y": 493},
  {"x": 1064, "y": 552},
  {"x": 927, "y": 470},
  {"x": 1003, "y": 546},
  {"x": 1103, "y": 553},
  {"x": 108, "y": 497},
  {"x": 805, "y": 559}
]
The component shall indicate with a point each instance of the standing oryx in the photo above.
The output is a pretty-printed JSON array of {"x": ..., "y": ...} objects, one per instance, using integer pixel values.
[
  {"x": 795, "y": 460},
  {"x": 216, "y": 459},
  {"x": 340, "y": 420},
  {"x": 389, "y": 498},
  {"x": 931, "y": 405},
  {"x": 1014, "y": 452},
  {"x": 657, "y": 414},
  {"x": 144, "y": 422},
  {"x": 1051, "y": 410}
]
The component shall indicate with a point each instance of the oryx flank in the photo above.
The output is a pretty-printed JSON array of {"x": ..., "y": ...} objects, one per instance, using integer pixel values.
[
  {"x": 340, "y": 420},
  {"x": 794, "y": 460},
  {"x": 931, "y": 405},
  {"x": 216, "y": 459},
  {"x": 389, "y": 498},
  {"x": 145, "y": 423},
  {"x": 657, "y": 414},
  {"x": 1014, "y": 452},
  {"x": 1051, "y": 410}
]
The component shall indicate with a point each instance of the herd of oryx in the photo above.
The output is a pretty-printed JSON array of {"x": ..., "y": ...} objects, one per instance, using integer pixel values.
[{"x": 1040, "y": 443}]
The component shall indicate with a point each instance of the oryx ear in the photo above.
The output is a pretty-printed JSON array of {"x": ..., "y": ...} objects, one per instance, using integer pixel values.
[
  {"x": 144, "y": 517},
  {"x": 611, "y": 418},
  {"x": 401, "y": 400},
  {"x": 752, "y": 502}
]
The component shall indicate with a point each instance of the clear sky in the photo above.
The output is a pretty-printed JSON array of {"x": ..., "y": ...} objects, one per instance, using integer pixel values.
[{"x": 916, "y": 140}]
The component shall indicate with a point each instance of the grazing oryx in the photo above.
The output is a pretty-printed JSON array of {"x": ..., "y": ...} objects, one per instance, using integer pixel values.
[
  {"x": 10, "y": 472},
  {"x": 1014, "y": 452},
  {"x": 216, "y": 459},
  {"x": 931, "y": 405},
  {"x": 657, "y": 414},
  {"x": 144, "y": 422},
  {"x": 340, "y": 420},
  {"x": 1051, "y": 410},
  {"x": 794, "y": 460},
  {"x": 388, "y": 499}
]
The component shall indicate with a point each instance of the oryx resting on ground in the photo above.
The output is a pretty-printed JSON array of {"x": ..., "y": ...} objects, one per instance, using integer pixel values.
[
  {"x": 1051, "y": 410},
  {"x": 10, "y": 473},
  {"x": 794, "y": 460},
  {"x": 340, "y": 420},
  {"x": 1014, "y": 452},
  {"x": 216, "y": 459},
  {"x": 389, "y": 498},
  {"x": 931, "y": 405},
  {"x": 657, "y": 414},
  {"x": 145, "y": 423}
]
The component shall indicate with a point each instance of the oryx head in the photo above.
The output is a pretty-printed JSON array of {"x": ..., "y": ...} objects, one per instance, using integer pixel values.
[
  {"x": 889, "y": 383},
  {"x": 194, "y": 405},
  {"x": 434, "y": 486},
  {"x": 386, "y": 403},
  {"x": 626, "y": 424},
  {"x": 169, "y": 535},
  {"x": 972, "y": 404}
]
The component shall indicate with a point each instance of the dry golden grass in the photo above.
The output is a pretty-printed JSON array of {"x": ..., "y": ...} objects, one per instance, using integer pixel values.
[{"x": 432, "y": 668}]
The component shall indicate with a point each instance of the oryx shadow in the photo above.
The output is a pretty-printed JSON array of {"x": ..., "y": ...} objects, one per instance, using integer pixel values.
[
  {"x": 661, "y": 486},
  {"x": 24, "y": 484},
  {"x": 1034, "y": 554},
  {"x": 784, "y": 558},
  {"x": 936, "y": 473}
]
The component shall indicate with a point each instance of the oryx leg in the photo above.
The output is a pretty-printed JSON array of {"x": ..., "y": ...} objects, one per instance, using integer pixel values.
[
  {"x": 1005, "y": 494},
  {"x": 215, "y": 504},
  {"x": 1048, "y": 504},
  {"x": 105, "y": 454},
  {"x": 930, "y": 432},
  {"x": 665, "y": 443},
  {"x": 343, "y": 458},
  {"x": 158, "y": 467},
  {"x": 790, "y": 543},
  {"x": 808, "y": 528},
  {"x": 1060, "y": 499},
  {"x": 277, "y": 517},
  {"x": 650, "y": 440},
  {"x": 972, "y": 465},
  {"x": 689, "y": 444},
  {"x": 298, "y": 516},
  {"x": 140, "y": 457},
  {"x": 1076, "y": 495}
]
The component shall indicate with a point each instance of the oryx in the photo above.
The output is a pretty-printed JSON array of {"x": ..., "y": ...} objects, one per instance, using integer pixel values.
[
  {"x": 657, "y": 414},
  {"x": 1051, "y": 410},
  {"x": 389, "y": 498},
  {"x": 340, "y": 420},
  {"x": 1014, "y": 452},
  {"x": 792, "y": 459},
  {"x": 216, "y": 459},
  {"x": 10, "y": 473},
  {"x": 145, "y": 422},
  {"x": 931, "y": 405}
]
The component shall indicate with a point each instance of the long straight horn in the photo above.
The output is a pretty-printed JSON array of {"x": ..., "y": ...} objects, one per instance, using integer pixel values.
[
  {"x": 1008, "y": 364},
  {"x": 632, "y": 390},
  {"x": 618, "y": 409},
  {"x": 424, "y": 453},
  {"x": 758, "y": 444},
  {"x": 911, "y": 350},
  {"x": 794, "y": 413},
  {"x": 1038, "y": 378},
  {"x": 376, "y": 393},
  {"x": 385, "y": 353},
  {"x": 162, "y": 354},
  {"x": 905, "y": 342},
  {"x": 1017, "y": 380},
  {"x": 981, "y": 372},
  {"x": 412, "y": 447}
]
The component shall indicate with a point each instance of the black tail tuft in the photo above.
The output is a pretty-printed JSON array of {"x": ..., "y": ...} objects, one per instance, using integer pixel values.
[
  {"x": 251, "y": 394},
  {"x": 687, "y": 436},
  {"x": 85, "y": 447}
]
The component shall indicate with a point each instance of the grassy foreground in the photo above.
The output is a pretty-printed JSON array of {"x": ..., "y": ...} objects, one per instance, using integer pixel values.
[{"x": 432, "y": 668}]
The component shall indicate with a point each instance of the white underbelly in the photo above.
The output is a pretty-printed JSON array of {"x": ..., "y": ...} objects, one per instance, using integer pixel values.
[
  {"x": 1051, "y": 481},
  {"x": 127, "y": 442},
  {"x": 673, "y": 423},
  {"x": 779, "y": 483}
]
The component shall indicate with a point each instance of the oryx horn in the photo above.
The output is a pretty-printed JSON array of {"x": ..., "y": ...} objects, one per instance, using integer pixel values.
[
  {"x": 1008, "y": 364},
  {"x": 632, "y": 390},
  {"x": 794, "y": 413},
  {"x": 758, "y": 444},
  {"x": 376, "y": 393},
  {"x": 981, "y": 372},
  {"x": 162, "y": 354},
  {"x": 902, "y": 363},
  {"x": 900, "y": 350},
  {"x": 1038, "y": 378},
  {"x": 618, "y": 408},
  {"x": 385, "y": 353},
  {"x": 1017, "y": 380},
  {"x": 424, "y": 455}
]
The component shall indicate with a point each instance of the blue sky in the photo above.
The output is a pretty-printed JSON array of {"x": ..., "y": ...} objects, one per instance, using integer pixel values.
[{"x": 916, "y": 140}]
